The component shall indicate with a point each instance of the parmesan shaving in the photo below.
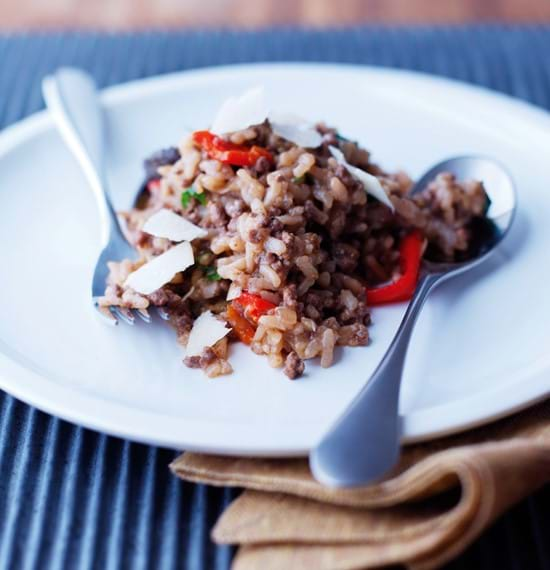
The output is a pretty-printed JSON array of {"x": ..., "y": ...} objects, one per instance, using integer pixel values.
[
  {"x": 161, "y": 269},
  {"x": 295, "y": 130},
  {"x": 238, "y": 113},
  {"x": 234, "y": 292},
  {"x": 371, "y": 183},
  {"x": 207, "y": 330},
  {"x": 167, "y": 224}
]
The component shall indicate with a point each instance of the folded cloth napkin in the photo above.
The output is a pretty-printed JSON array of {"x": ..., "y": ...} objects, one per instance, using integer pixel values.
[{"x": 439, "y": 498}]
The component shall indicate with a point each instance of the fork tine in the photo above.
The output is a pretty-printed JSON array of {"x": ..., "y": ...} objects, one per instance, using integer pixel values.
[
  {"x": 106, "y": 314},
  {"x": 124, "y": 314},
  {"x": 143, "y": 314},
  {"x": 163, "y": 313}
]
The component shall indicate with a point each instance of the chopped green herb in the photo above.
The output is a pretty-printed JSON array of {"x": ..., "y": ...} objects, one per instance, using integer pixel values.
[
  {"x": 201, "y": 198},
  {"x": 211, "y": 273},
  {"x": 299, "y": 179},
  {"x": 192, "y": 193},
  {"x": 185, "y": 198}
]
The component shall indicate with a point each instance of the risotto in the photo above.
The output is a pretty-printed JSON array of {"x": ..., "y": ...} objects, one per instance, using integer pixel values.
[{"x": 281, "y": 235}]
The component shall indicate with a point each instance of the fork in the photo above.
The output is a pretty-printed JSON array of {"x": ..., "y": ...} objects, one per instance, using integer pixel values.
[{"x": 71, "y": 97}]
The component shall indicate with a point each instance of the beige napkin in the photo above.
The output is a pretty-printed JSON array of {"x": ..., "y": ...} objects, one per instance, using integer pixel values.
[{"x": 441, "y": 496}]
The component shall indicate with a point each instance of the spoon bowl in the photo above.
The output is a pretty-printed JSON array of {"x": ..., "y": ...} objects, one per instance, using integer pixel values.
[
  {"x": 489, "y": 231},
  {"x": 364, "y": 443}
]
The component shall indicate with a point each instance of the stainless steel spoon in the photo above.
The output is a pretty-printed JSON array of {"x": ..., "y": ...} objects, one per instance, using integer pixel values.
[{"x": 364, "y": 444}]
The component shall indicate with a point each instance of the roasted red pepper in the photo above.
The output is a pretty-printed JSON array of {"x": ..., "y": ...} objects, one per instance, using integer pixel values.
[
  {"x": 253, "y": 306},
  {"x": 243, "y": 329},
  {"x": 153, "y": 185},
  {"x": 227, "y": 152},
  {"x": 410, "y": 255},
  {"x": 244, "y": 312}
]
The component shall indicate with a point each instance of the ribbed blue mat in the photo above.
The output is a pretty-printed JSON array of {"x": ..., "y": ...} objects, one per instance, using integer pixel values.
[{"x": 72, "y": 498}]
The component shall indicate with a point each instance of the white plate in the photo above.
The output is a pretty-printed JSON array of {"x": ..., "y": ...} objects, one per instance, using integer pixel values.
[{"x": 480, "y": 349}]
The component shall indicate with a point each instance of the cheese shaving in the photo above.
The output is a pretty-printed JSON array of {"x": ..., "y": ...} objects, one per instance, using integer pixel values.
[
  {"x": 234, "y": 292},
  {"x": 238, "y": 113},
  {"x": 207, "y": 330},
  {"x": 295, "y": 130},
  {"x": 371, "y": 183},
  {"x": 161, "y": 269},
  {"x": 167, "y": 224}
]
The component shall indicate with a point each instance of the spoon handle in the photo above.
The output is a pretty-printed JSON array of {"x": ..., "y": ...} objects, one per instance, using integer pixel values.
[
  {"x": 364, "y": 443},
  {"x": 71, "y": 97}
]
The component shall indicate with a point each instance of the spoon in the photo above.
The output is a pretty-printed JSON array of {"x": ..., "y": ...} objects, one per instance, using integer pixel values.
[{"x": 364, "y": 443}]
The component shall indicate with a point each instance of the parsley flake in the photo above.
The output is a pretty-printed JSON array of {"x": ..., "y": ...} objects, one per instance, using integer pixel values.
[
  {"x": 192, "y": 193},
  {"x": 211, "y": 273}
]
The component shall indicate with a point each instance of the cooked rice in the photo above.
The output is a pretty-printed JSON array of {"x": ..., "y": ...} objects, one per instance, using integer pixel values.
[{"x": 301, "y": 233}]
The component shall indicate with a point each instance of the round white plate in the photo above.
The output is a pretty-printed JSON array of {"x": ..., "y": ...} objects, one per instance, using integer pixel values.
[{"x": 480, "y": 349}]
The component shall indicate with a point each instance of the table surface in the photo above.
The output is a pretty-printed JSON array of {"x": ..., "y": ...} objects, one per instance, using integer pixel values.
[
  {"x": 131, "y": 14},
  {"x": 73, "y": 498}
]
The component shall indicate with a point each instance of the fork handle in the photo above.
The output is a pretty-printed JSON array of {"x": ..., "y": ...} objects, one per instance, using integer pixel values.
[{"x": 71, "y": 97}]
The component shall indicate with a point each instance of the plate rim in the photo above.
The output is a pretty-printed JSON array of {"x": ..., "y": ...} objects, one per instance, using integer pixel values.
[{"x": 22, "y": 382}]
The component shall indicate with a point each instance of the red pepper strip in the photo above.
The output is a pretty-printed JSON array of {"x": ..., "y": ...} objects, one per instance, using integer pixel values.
[
  {"x": 243, "y": 314},
  {"x": 153, "y": 185},
  {"x": 410, "y": 254},
  {"x": 227, "y": 152},
  {"x": 253, "y": 306},
  {"x": 244, "y": 158},
  {"x": 243, "y": 329}
]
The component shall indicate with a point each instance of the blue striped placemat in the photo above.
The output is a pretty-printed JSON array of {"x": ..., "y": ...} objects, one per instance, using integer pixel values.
[{"x": 72, "y": 498}]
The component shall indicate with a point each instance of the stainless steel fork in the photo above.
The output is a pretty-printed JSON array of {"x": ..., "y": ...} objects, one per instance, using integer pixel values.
[{"x": 71, "y": 97}]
